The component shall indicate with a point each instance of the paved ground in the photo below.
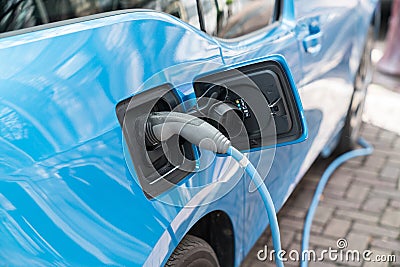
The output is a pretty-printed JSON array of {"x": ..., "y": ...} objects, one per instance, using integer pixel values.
[{"x": 361, "y": 203}]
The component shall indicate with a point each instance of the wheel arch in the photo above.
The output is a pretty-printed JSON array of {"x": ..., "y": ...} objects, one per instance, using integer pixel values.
[{"x": 216, "y": 228}]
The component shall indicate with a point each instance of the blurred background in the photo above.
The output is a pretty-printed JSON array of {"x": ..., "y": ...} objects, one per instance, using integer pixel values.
[{"x": 382, "y": 107}]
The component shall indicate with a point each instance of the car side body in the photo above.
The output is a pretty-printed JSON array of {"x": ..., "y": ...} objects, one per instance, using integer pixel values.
[{"x": 67, "y": 193}]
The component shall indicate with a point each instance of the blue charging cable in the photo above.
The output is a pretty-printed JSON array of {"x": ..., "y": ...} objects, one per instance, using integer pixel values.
[
  {"x": 269, "y": 205},
  {"x": 366, "y": 149},
  {"x": 266, "y": 197},
  {"x": 162, "y": 125}
]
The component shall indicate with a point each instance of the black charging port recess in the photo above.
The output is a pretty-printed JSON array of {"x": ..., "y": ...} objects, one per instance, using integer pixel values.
[
  {"x": 157, "y": 167},
  {"x": 234, "y": 86}
]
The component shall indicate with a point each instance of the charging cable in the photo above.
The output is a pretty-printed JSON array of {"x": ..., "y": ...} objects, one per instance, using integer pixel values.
[
  {"x": 266, "y": 197},
  {"x": 163, "y": 125},
  {"x": 366, "y": 149}
]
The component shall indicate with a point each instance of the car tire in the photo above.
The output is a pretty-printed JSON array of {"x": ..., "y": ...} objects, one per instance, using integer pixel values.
[
  {"x": 194, "y": 252},
  {"x": 353, "y": 122}
]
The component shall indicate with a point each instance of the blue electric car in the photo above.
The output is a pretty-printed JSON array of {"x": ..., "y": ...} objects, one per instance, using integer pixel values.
[{"x": 82, "y": 182}]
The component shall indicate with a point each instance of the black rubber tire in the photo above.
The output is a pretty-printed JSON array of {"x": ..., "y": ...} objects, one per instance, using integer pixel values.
[
  {"x": 351, "y": 129},
  {"x": 193, "y": 252}
]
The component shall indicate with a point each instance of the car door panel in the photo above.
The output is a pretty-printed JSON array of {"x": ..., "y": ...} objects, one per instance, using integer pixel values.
[
  {"x": 330, "y": 70},
  {"x": 328, "y": 78}
]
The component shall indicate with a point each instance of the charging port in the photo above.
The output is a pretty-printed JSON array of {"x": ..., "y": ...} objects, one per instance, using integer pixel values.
[
  {"x": 263, "y": 95},
  {"x": 158, "y": 167}
]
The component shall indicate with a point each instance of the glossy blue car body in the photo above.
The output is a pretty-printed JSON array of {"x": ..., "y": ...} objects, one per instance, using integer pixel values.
[{"x": 67, "y": 196}]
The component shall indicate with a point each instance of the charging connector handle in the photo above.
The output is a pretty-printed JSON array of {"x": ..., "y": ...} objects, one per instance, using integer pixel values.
[{"x": 163, "y": 125}]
